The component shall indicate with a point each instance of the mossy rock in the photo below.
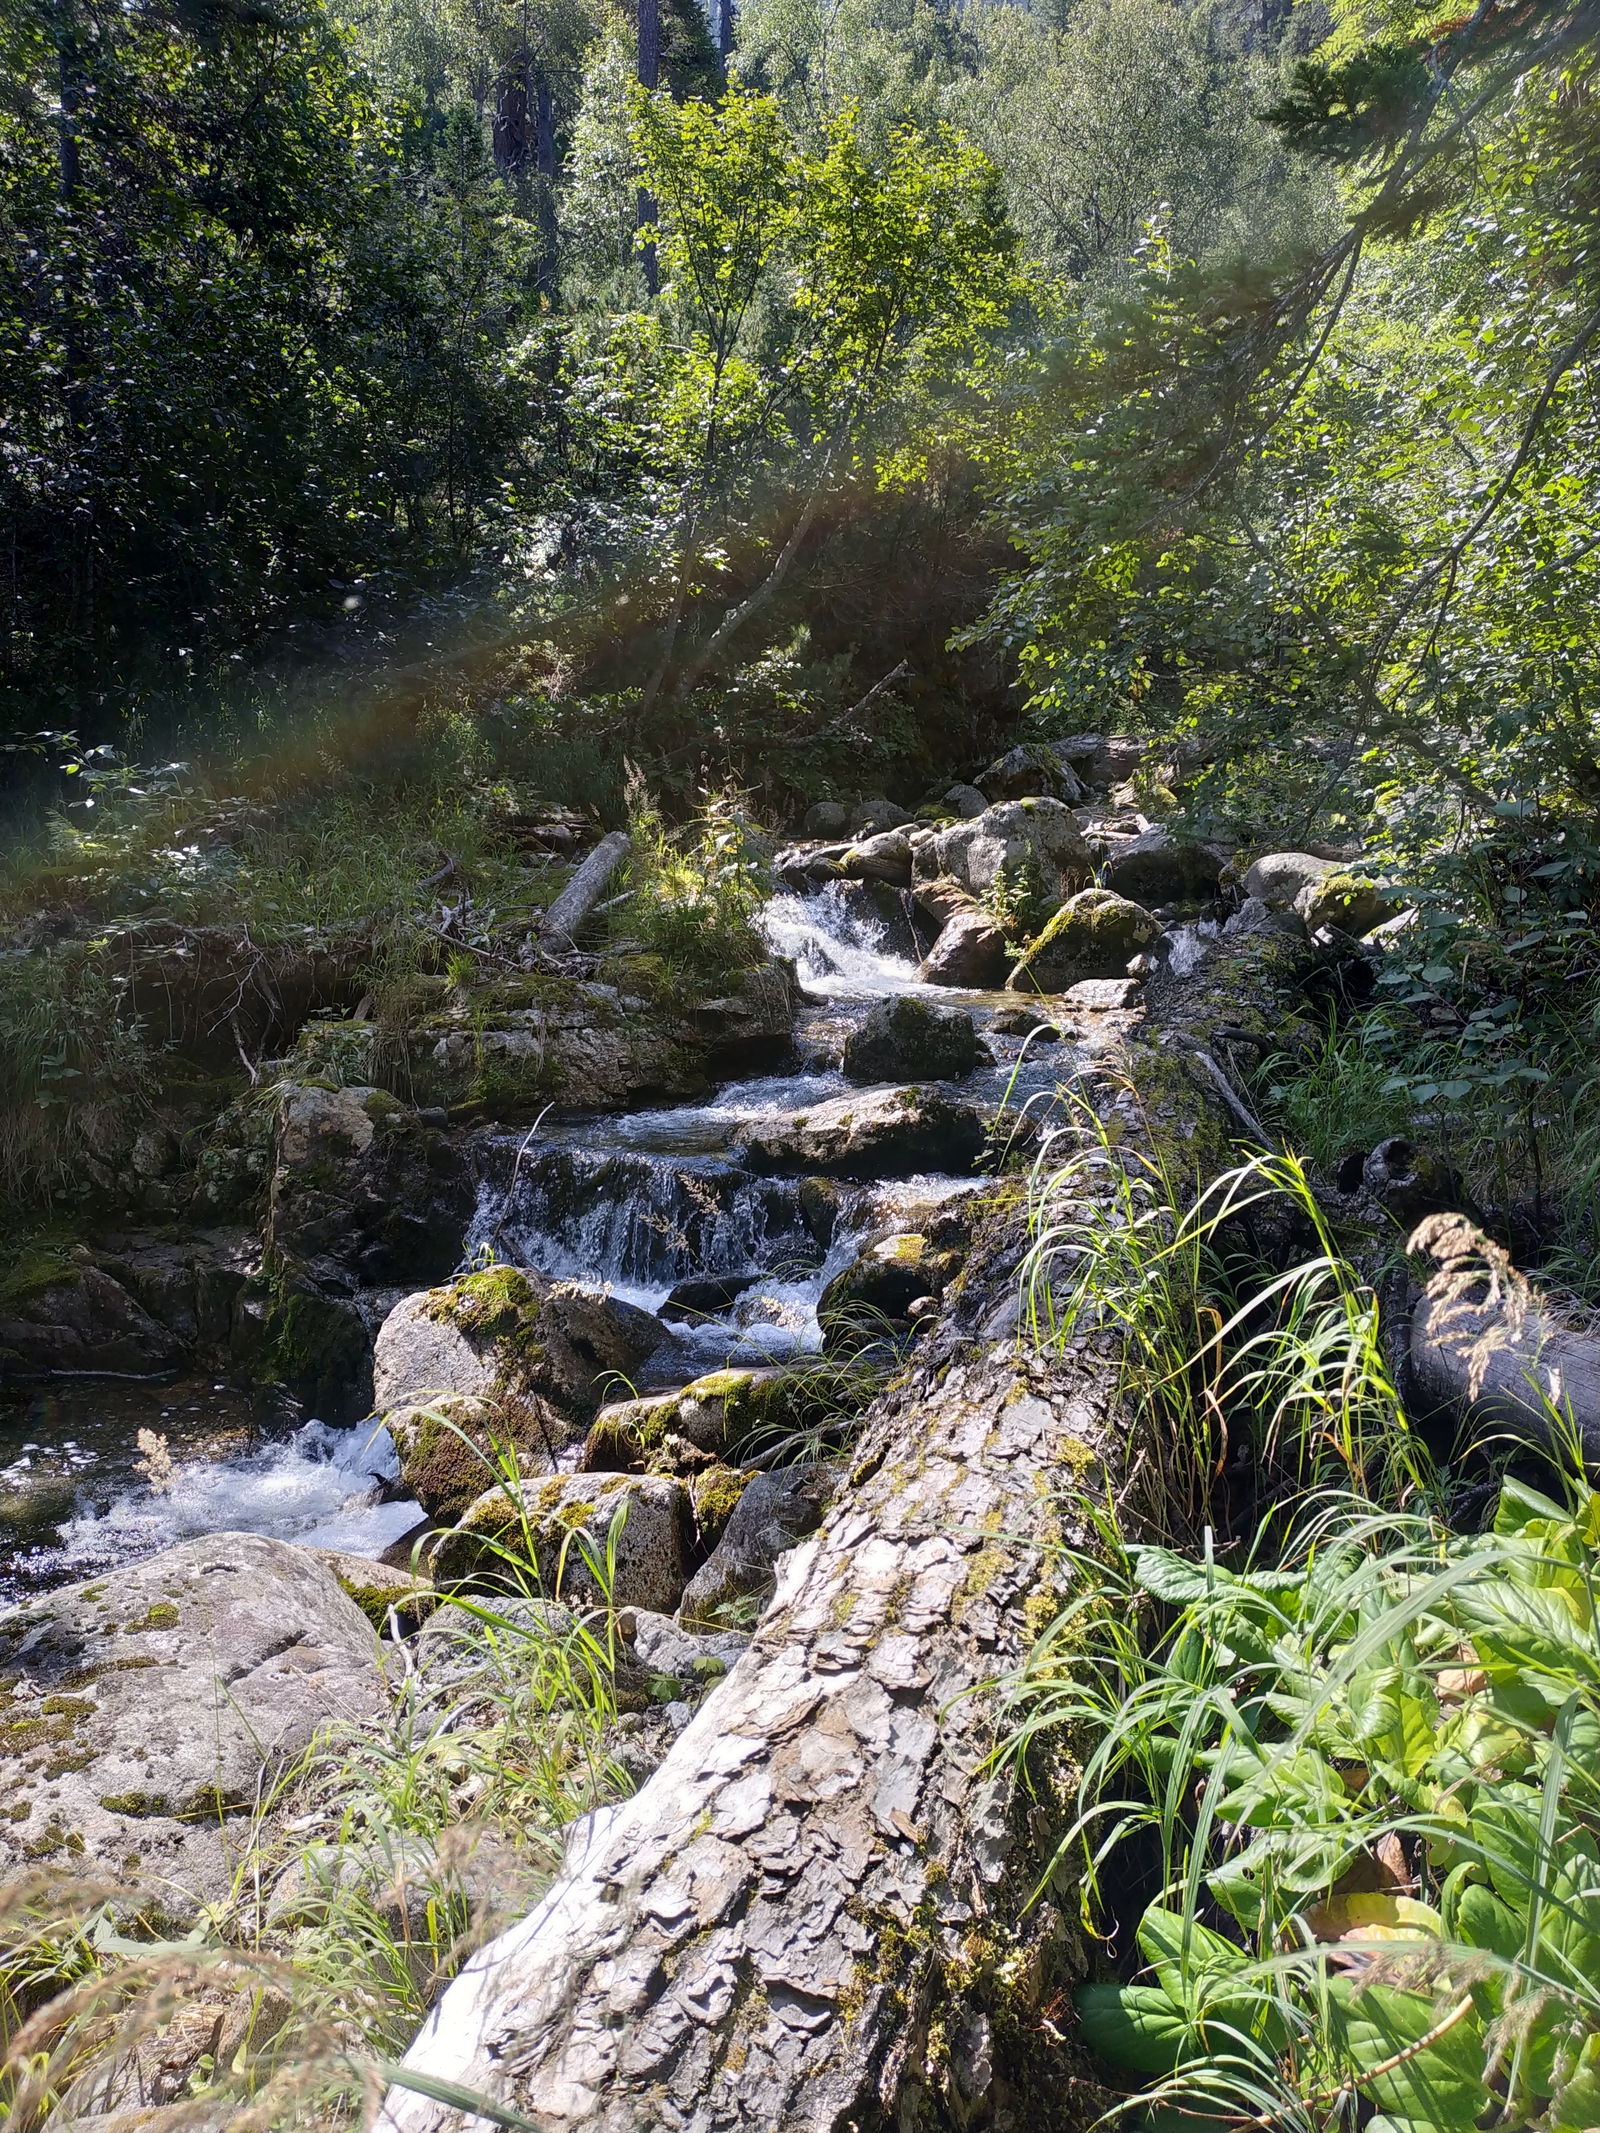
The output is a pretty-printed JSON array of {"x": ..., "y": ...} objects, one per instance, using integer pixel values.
[
  {"x": 376, "y": 1587},
  {"x": 715, "y": 1495},
  {"x": 453, "y": 1447},
  {"x": 1095, "y": 934},
  {"x": 1349, "y": 903},
  {"x": 549, "y": 1536}
]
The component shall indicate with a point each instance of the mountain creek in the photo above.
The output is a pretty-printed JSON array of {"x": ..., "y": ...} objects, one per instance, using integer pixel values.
[{"x": 726, "y": 1336}]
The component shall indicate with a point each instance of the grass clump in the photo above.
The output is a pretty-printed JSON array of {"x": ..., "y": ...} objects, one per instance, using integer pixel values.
[{"x": 694, "y": 893}]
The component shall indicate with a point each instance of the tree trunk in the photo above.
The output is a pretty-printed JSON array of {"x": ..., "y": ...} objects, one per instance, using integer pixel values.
[
  {"x": 815, "y": 1915},
  {"x": 649, "y": 77},
  {"x": 561, "y": 922},
  {"x": 549, "y": 236}
]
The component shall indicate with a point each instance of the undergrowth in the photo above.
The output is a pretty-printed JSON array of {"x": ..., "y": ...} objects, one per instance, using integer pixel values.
[{"x": 1336, "y": 1815}]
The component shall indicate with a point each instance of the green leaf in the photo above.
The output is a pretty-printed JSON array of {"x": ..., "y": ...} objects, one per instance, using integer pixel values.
[
  {"x": 1173, "y": 1578},
  {"x": 1135, "y": 2025},
  {"x": 1440, "y": 2085}
]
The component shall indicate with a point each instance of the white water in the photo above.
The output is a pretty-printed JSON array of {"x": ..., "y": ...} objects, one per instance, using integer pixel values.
[
  {"x": 835, "y": 952},
  {"x": 319, "y": 1487}
]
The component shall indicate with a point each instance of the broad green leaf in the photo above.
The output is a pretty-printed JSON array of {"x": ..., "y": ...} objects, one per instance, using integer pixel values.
[
  {"x": 1174, "y": 1578},
  {"x": 1136, "y": 2026},
  {"x": 1438, "y": 2085}
]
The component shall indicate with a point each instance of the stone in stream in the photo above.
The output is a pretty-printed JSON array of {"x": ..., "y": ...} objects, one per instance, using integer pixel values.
[
  {"x": 965, "y": 802},
  {"x": 543, "y": 1524},
  {"x": 1033, "y": 770},
  {"x": 1158, "y": 868},
  {"x": 1349, "y": 903},
  {"x": 885, "y": 857},
  {"x": 504, "y": 1334},
  {"x": 970, "y": 952},
  {"x": 704, "y": 1296},
  {"x": 907, "y": 1039},
  {"x": 1093, "y": 935},
  {"x": 150, "y": 1704},
  {"x": 86, "y": 1321},
  {"x": 774, "y": 1512},
  {"x": 363, "y": 1193},
  {"x": 888, "y": 1276},
  {"x": 880, "y": 1133},
  {"x": 826, "y": 818},
  {"x": 1278, "y": 877},
  {"x": 728, "y": 1414},
  {"x": 455, "y": 1445},
  {"x": 874, "y": 816},
  {"x": 1036, "y": 838}
]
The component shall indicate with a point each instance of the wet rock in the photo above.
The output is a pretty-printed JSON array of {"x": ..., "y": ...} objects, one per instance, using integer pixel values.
[
  {"x": 942, "y": 898},
  {"x": 885, "y": 857},
  {"x": 454, "y": 1447},
  {"x": 1033, "y": 838},
  {"x": 826, "y": 819},
  {"x": 1023, "y": 1021},
  {"x": 704, "y": 1296},
  {"x": 965, "y": 802},
  {"x": 881, "y": 1133},
  {"x": 86, "y": 1322},
  {"x": 820, "y": 1202},
  {"x": 775, "y": 1512},
  {"x": 1348, "y": 903},
  {"x": 1158, "y": 868},
  {"x": 363, "y": 1194},
  {"x": 150, "y": 1701},
  {"x": 1278, "y": 877},
  {"x": 970, "y": 952},
  {"x": 1094, "y": 935},
  {"x": 1103, "y": 996},
  {"x": 906, "y": 1039},
  {"x": 508, "y": 1334},
  {"x": 751, "y": 1021},
  {"x": 554, "y": 1518},
  {"x": 889, "y": 1275},
  {"x": 875, "y": 815},
  {"x": 1033, "y": 771},
  {"x": 315, "y": 1345}
]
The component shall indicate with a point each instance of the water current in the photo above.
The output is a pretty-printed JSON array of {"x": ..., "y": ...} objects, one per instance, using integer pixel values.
[{"x": 635, "y": 1202}]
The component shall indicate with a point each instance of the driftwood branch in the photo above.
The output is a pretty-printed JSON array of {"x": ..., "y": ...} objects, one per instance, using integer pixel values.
[{"x": 585, "y": 889}]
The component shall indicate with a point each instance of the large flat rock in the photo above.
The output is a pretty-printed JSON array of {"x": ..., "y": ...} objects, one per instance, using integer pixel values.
[
  {"x": 882, "y": 1133},
  {"x": 144, "y": 1711}
]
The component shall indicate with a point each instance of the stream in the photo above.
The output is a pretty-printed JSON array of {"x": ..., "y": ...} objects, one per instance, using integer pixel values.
[{"x": 637, "y": 1202}]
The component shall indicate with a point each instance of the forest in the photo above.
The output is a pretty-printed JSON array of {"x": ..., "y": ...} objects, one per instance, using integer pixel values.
[{"x": 799, "y": 1041}]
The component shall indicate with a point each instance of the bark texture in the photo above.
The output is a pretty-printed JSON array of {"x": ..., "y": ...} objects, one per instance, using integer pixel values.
[{"x": 814, "y": 1917}]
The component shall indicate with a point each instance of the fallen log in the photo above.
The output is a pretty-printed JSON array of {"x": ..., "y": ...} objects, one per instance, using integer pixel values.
[
  {"x": 560, "y": 923},
  {"x": 815, "y": 1915}
]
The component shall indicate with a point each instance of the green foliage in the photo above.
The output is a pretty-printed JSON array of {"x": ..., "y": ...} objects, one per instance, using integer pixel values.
[
  {"x": 693, "y": 894},
  {"x": 1389, "y": 1694}
]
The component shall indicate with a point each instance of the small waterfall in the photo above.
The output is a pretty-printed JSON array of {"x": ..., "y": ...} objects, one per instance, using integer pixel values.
[{"x": 842, "y": 946}]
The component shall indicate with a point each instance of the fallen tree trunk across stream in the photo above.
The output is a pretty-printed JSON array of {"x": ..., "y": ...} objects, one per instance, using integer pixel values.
[{"x": 815, "y": 1915}]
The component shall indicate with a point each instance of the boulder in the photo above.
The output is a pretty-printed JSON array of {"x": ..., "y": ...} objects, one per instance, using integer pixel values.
[
  {"x": 149, "y": 1706},
  {"x": 363, "y": 1193},
  {"x": 881, "y": 1133},
  {"x": 1094, "y": 935},
  {"x": 826, "y": 818},
  {"x": 86, "y": 1322},
  {"x": 704, "y": 1296},
  {"x": 774, "y": 1512},
  {"x": 906, "y": 1039},
  {"x": 315, "y": 1344},
  {"x": 970, "y": 952},
  {"x": 453, "y": 1447},
  {"x": 888, "y": 1276},
  {"x": 665, "y": 1649},
  {"x": 1032, "y": 771},
  {"x": 1158, "y": 868},
  {"x": 505, "y": 1334},
  {"x": 727, "y": 1414},
  {"x": 1347, "y": 902},
  {"x": 820, "y": 1203},
  {"x": 539, "y": 1528},
  {"x": 965, "y": 802},
  {"x": 941, "y": 897},
  {"x": 874, "y": 815},
  {"x": 1036, "y": 836},
  {"x": 885, "y": 857},
  {"x": 1278, "y": 877}
]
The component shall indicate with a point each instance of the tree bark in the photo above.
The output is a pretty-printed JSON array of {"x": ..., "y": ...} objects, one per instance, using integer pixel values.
[
  {"x": 815, "y": 1915},
  {"x": 649, "y": 78},
  {"x": 585, "y": 889}
]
